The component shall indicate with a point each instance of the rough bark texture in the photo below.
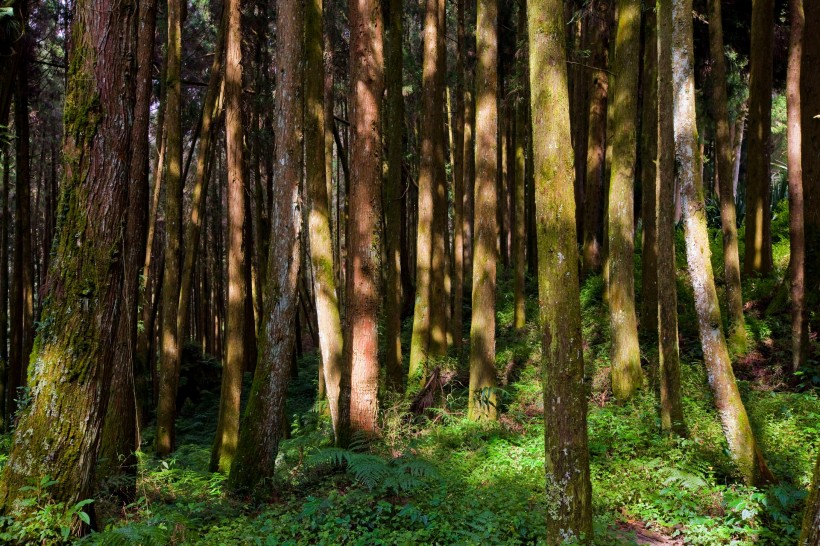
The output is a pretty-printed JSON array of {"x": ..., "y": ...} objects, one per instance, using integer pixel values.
[
  {"x": 568, "y": 490},
  {"x": 321, "y": 244},
  {"x": 810, "y": 108},
  {"x": 363, "y": 245},
  {"x": 236, "y": 353},
  {"x": 519, "y": 225},
  {"x": 757, "y": 259},
  {"x": 71, "y": 366},
  {"x": 458, "y": 184},
  {"x": 264, "y": 418},
  {"x": 725, "y": 164},
  {"x": 626, "y": 362},
  {"x": 668, "y": 350},
  {"x": 649, "y": 154},
  {"x": 733, "y": 416},
  {"x": 797, "y": 238},
  {"x": 482, "y": 397},
  {"x": 170, "y": 346}
]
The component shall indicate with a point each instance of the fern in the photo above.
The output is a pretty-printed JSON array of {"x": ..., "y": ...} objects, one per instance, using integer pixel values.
[{"x": 398, "y": 475}]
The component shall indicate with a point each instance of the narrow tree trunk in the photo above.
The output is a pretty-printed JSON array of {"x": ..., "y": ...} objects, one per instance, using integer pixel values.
[
  {"x": 758, "y": 254},
  {"x": 736, "y": 426},
  {"x": 519, "y": 231},
  {"x": 797, "y": 239},
  {"x": 626, "y": 363},
  {"x": 668, "y": 351},
  {"x": 569, "y": 502},
  {"x": 265, "y": 413},
  {"x": 482, "y": 397},
  {"x": 321, "y": 244},
  {"x": 170, "y": 346},
  {"x": 59, "y": 434},
  {"x": 362, "y": 278},
  {"x": 810, "y": 124},
  {"x": 458, "y": 184}
]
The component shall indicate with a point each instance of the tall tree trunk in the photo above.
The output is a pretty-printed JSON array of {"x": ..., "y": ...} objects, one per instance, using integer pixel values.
[
  {"x": 59, "y": 433},
  {"x": 649, "y": 153},
  {"x": 668, "y": 351},
  {"x": 482, "y": 397},
  {"x": 758, "y": 255},
  {"x": 227, "y": 430},
  {"x": 264, "y": 416},
  {"x": 4, "y": 290},
  {"x": 626, "y": 362},
  {"x": 362, "y": 277},
  {"x": 810, "y": 124},
  {"x": 569, "y": 502},
  {"x": 519, "y": 231},
  {"x": 328, "y": 319},
  {"x": 458, "y": 184},
  {"x": 736, "y": 426},
  {"x": 734, "y": 296},
  {"x": 797, "y": 239},
  {"x": 432, "y": 133},
  {"x": 170, "y": 346}
]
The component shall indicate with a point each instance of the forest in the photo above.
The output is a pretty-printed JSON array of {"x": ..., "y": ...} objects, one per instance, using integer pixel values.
[{"x": 410, "y": 272}]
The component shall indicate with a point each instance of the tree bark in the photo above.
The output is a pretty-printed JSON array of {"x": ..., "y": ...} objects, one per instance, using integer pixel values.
[
  {"x": 59, "y": 433},
  {"x": 734, "y": 419},
  {"x": 569, "y": 502},
  {"x": 519, "y": 231},
  {"x": 459, "y": 183},
  {"x": 626, "y": 362},
  {"x": 758, "y": 254},
  {"x": 482, "y": 395},
  {"x": 810, "y": 124}
]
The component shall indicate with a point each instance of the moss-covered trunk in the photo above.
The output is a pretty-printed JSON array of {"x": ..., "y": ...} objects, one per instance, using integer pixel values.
[
  {"x": 482, "y": 397},
  {"x": 59, "y": 433},
  {"x": 568, "y": 490},
  {"x": 263, "y": 421},
  {"x": 734, "y": 419},
  {"x": 519, "y": 231},
  {"x": 626, "y": 362}
]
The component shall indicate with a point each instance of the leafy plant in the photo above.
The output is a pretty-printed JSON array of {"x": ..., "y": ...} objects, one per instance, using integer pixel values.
[{"x": 394, "y": 475}]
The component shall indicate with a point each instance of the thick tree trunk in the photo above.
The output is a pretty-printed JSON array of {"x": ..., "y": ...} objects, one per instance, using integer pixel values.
[
  {"x": 321, "y": 244},
  {"x": 733, "y": 416},
  {"x": 758, "y": 254},
  {"x": 797, "y": 238},
  {"x": 649, "y": 153},
  {"x": 264, "y": 418},
  {"x": 362, "y": 278},
  {"x": 569, "y": 502},
  {"x": 482, "y": 397},
  {"x": 59, "y": 434},
  {"x": 170, "y": 345},
  {"x": 227, "y": 431},
  {"x": 626, "y": 362},
  {"x": 734, "y": 296},
  {"x": 668, "y": 351}
]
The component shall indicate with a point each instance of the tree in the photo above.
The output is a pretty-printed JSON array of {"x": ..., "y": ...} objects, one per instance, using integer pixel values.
[
  {"x": 810, "y": 125},
  {"x": 797, "y": 238},
  {"x": 263, "y": 421},
  {"x": 321, "y": 244},
  {"x": 519, "y": 224},
  {"x": 170, "y": 346},
  {"x": 362, "y": 279},
  {"x": 569, "y": 503},
  {"x": 668, "y": 351},
  {"x": 626, "y": 361},
  {"x": 735, "y": 421},
  {"x": 459, "y": 171},
  {"x": 725, "y": 165},
  {"x": 482, "y": 396},
  {"x": 86, "y": 279},
  {"x": 227, "y": 431},
  {"x": 758, "y": 254}
]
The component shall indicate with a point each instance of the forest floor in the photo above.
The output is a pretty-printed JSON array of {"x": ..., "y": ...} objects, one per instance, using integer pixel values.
[{"x": 440, "y": 479}]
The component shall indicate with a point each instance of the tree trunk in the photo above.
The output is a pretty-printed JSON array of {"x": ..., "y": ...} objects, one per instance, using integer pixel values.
[
  {"x": 733, "y": 416},
  {"x": 4, "y": 291},
  {"x": 170, "y": 345},
  {"x": 649, "y": 153},
  {"x": 482, "y": 397},
  {"x": 734, "y": 296},
  {"x": 797, "y": 239},
  {"x": 458, "y": 184},
  {"x": 59, "y": 433},
  {"x": 321, "y": 244},
  {"x": 362, "y": 278},
  {"x": 519, "y": 231},
  {"x": 227, "y": 431},
  {"x": 810, "y": 108},
  {"x": 626, "y": 362},
  {"x": 569, "y": 503},
  {"x": 758, "y": 254},
  {"x": 668, "y": 351}
]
